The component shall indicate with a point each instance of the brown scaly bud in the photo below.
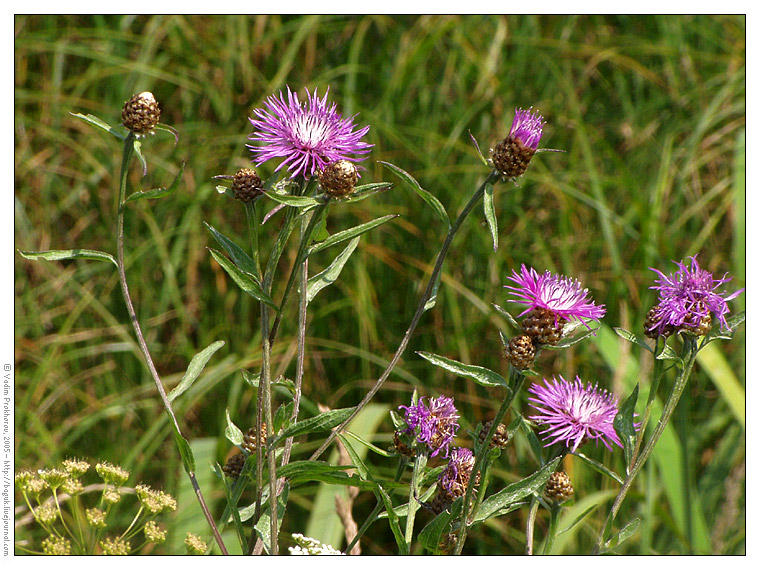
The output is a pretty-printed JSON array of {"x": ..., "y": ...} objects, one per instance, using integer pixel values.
[
  {"x": 705, "y": 321},
  {"x": 650, "y": 324},
  {"x": 402, "y": 447},
  {"x": 246, "y": 185},
  {"x": 234, "y": 465},
  {"x": 559, "y": 487},
  {"x": 512, "y": 155},
  {"x": 141, "y": 113},
  {"x": 251, "y": 442},
  {"x": 543, "y": 326},
  {"x": 339, "y": 178},
  {"x": 520, "y": 352},
  {"x": 500, "y": 437}
]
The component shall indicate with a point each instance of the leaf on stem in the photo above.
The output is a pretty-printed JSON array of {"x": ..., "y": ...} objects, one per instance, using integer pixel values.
[
  {"x": 322, "y": 422},
  {"x": 625, "y": 426},
  {"x": 245, "y": 280},
  {"x": 625, "y": 533},
  {"x": 195, "y": 368},
  {"x": 158, "y": 192},
  {"x": 232, "y": 432},
  {"x": 236, "y": 253},
  {"x": 62, "y": 254},
  {"x": 482, "y": 376},
  {"x": 507, "y": 315},
  {"x": 348, "y": 234},
  {"x": 490, "y": 213},
  {"x": 101, "y": 124},
  {"x": 431, "y": 200},
  {"x": 327, "y": 277}
]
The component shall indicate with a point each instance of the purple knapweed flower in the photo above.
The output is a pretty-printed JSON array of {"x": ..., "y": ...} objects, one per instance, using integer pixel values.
[
  {"x": 434, "y": 423},
  {"x": 557, "y": 293},
  {"x": 574, "y": 413},
  {"x": 687, "y": 296},
  {"x": 307, "y": 135},
  {"x": 455, "y": 478},
  {"x": 527, "y": 127}
]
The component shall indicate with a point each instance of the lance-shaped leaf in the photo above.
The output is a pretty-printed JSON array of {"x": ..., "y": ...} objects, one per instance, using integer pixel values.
[
  {"x": 263, "y": 525},
  {"x": 482, "y": 376},
  {"x": 158, "y": 192},
  {"x": 62, "y": 254},
  {"x": 507, "y": 315},
  {"x": 348, "y": 234},
  {"x": 430, "y": 536},
  {"x": 246, "y": 281},
  {"x": 331, "y": 273},
  {"x": 365, "y": 191},
  {"x": 430, "y": 303},
  {"x": 294, "y": 201},
  {"x": 236, "y": 253},
  {"x": 195, "y": 368},
  {"x": 633, "y": 338},
  {"x": 599, "y": 467},
  {"x": 232, "y": 432},
  {"x": 431, "y": 200},
  {"x": 490, "y": 213},
  {"x": 624, "y": 424},
  {"x": 515, "y": 492},
  {"x": 101, "y": 124},
  {"x": 322, "y": 422},
  {"x": 625, "y": 533}
]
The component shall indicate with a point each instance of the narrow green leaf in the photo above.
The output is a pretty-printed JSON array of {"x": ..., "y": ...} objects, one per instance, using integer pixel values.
[
  {"x": 246, "y": 281},
  {"x": 294, "y": 201},
  {"x": 633, "y": 338},
  {"x": 490, "y": 213},
  {"x": 282, "y": 417},
  {"x": 62, "y": 254},
  {"x": 625, "y": 533},
  {"x": 515, "y": 492},
  {"x": 263, "y": 524},
  {"x": 578, "y": 519},
  {"x": 369, "y": 445},
  {"x": 624, "y": 424},
  {"x": 185, "y": 452},
  {"x": 507, "y": 315},
  {"x": 482, "y": 376},
  {"x": 195, "y": 368},
  {"x": 309, "y": 468},
  {"x": 718, "y": 333},
  {"x": 599, "y": 468},
  {"x": 137, "y": 145},
  {"x": 365, "y": 191},
  {"x": 714, "y": 363},
  {"x": 348, "y": 234},
  {"x": 236, "y": 253},
  {"x": 430, "y": 536},
  {"x": 331, "y": 273},
  {"x": 431, "y": 200},
  {"x": 100, "y": 123},
  {"x": 322, "y": 422},
  {"x": 434, "y": 293},
  {"x": 232, "y": 432},
  {"x": 477, "y": 148},
  {"x": 158, "y": 192}
]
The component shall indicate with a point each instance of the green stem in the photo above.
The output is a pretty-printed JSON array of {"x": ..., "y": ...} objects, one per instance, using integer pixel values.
[
  {"x": 531, "y": 525},
  {"x": 689, "y": 356},
  {"x": 420, "y": 461},
  {"x": 517, "y": 378},
  {"x": 126, "y": 157},
  {"x": 437, "y": 268},
  {"x": 553, "y": 525}
]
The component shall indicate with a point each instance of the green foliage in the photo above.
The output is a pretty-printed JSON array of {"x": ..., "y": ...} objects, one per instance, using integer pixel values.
[{"x": 649, "y": 109}]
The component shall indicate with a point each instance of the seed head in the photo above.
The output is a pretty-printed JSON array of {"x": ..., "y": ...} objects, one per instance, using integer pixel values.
[
  {"x": 54, "y": 477},
  {"x": 246, "y": 185},
  {"x": 559, "y": 487},
  {"x": 155, "y": 501},
  {"x": 115, "y": 546},
  {"x": 520, "y": 352},
  {"x": 141, "y": 113},
  {"x": 76, "y": 467},
  {"x": 112, "y": 473},
  {"x": 96, "y": 518},
  {"x": 500, "y": 437},
  {"x": 194, "y": 544},
  {"x": 46, "y": 513},
  {"x": 153, "y": 532},
  {"x": 234, "y": 466},
  {"x": 251, "y": 442},
  {"x": 55, "y": 545},
  {"x": 111, "y": 495}
]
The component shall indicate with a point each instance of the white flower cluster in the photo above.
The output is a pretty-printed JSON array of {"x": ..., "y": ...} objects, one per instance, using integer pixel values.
[{"x": 310, "y": 546}]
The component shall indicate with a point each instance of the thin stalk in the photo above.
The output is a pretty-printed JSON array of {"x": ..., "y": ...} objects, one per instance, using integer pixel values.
[
  {"x": 516, "y": 381},
  {"x": 656, "y": 376},
  {"x": 437, "y": 268},
  {"x": 690, "y": 353},
  {"x": 419, "y": 463},
  {"x": 126, "y": 157},
  {"x": 531, "y": 525},
  {"x": 553, "y": 525}
]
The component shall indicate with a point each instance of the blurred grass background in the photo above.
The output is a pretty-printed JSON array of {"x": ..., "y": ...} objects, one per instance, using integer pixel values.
[{"x": 650, "y": 111}]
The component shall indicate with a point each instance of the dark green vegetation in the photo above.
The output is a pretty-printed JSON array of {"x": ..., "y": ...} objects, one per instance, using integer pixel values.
[{"x": 650, "y": 112}]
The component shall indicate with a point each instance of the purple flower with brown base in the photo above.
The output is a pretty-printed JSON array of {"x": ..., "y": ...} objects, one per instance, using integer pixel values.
[
  {"x": 434, "y": 423},
  {"x": 687, "y": 299},
  {"x": 573, "y": 413},
  {"x": 308, "y": 136}
]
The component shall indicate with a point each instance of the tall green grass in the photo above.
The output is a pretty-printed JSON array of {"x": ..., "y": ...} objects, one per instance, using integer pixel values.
[{"x": 650, "y": 111}]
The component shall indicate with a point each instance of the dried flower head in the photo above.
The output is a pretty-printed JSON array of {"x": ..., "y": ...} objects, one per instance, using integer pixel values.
[
  {"x": 561, "y": 295},
  {"x": 434, "y": 423},
  {"x": 153, "y": 532},
  {"x": 500, "y": 436},
  {"x": 574, "y": 413},
  {"x": 246, "y": 185},
  {"x": 307, "y": 135},
  {"x": 112, "y": 473},
  {"x": 194, "y": 544},
  {"x": 115, "y": 546},
  {"x": 234, "y": 466},
  {"x": 512, "y": 155},
  {"x": 454, "y": 479},
  {"x": 141, "y": 113},
  {"x": 55, "y": 545},
  {"x": 687, "y": 297},
  {"x": 306, "y": 546},
  {"x": 251, "y": 439}
]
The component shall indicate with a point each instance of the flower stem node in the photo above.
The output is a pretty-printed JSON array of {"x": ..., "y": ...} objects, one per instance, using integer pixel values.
[
  {"x": 339, "y": 178},
  {"x": 520, "y": 352},
  {"x": 141, "y": 113},
  {"x": 246, "y": 185},
  {"x": 559, "y": 487}
]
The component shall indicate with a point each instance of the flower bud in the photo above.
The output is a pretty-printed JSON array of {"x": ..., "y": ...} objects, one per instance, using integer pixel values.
[
  {"x": 141, "y": 113},
  {"x": 339, "y": 178},
  {"x": 246, "y": 185},
  {"x": 559, "y": 487},
  {"x": 520, "y": 352}
]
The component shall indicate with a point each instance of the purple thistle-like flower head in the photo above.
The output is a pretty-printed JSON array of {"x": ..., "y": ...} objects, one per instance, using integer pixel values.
[
  {"x": 456, "y": 476},
  {"x": 688, "y": 295},
  {"x": 307, "y": 135},
  {"x": 562, "y": 295},
  {"x": 434, "y": 423},
  {"x": 527, "y": 127},
  {"x": 574, "y": 413}
]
